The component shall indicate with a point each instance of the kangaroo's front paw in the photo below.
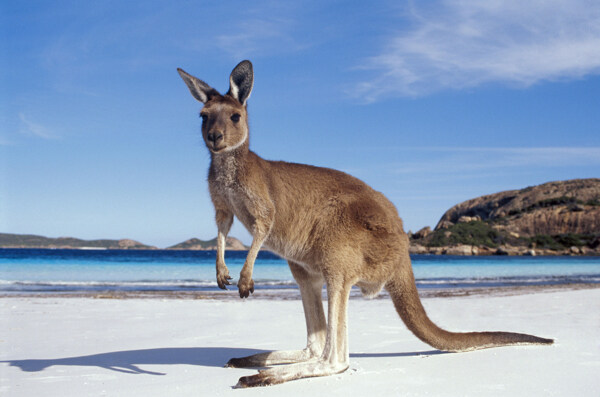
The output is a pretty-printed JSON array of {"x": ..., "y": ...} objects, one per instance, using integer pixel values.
[
  {"x": 223, "y": 279},
  {"x": 245, "y": 286}
]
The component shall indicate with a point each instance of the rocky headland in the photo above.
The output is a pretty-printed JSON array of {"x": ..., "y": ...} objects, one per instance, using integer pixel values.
[{"x": 555, "y": 218}]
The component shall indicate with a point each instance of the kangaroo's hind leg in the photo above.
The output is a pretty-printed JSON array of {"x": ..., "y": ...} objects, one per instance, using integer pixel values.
[
  {"x": 335, "y": 358},
  {"x": 310, "y": 285}
]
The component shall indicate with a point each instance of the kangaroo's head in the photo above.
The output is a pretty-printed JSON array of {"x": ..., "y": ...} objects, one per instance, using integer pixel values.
[{"x": 224, "y": 117}]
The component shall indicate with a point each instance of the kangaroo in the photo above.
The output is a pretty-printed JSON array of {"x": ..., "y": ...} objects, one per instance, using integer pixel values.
[{"x": 333, "y": 230}]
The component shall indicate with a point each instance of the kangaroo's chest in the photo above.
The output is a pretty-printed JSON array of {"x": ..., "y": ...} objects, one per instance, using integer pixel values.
[
  {"x": 226, "y": 188},
  {"x": 237, "y": 199}
]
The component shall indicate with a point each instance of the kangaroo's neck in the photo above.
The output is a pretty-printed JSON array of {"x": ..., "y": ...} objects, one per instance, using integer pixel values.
[{"x": 230, "y": 168}]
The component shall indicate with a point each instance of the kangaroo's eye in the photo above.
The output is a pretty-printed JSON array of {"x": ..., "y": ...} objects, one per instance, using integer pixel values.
[
  {"x": 204, "y": 117},
  {"x": 235, "y": 117}
]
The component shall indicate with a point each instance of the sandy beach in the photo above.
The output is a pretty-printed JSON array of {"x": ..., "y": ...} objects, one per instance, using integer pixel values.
[{"x": 85, "y": 346}]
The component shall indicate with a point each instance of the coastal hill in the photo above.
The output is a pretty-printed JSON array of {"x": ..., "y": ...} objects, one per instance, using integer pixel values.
[
  {"x": 555, "y": 218},
  {"x": 33, "y": 241},
  {"x": 231, "y": 243}
]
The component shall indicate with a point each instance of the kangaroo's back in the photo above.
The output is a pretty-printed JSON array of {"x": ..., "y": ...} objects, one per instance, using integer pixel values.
[{"x": 318, "y": 208}]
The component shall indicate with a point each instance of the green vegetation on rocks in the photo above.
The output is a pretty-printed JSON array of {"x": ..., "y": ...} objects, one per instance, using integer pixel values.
[{"x": 468, "y": 233}]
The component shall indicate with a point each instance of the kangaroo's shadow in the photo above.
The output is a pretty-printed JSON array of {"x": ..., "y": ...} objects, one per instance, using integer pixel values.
[{"x": 128, "y": 361}]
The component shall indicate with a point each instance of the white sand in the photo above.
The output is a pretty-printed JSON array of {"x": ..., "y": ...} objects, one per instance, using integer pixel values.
[{"x": 152, "y": 347}]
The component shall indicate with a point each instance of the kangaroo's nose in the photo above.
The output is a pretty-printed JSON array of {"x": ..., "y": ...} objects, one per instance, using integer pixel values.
[{"x": 215, "y": 136}]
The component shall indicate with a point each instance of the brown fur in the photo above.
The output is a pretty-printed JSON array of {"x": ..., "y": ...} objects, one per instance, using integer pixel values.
[{"x": 331, "y": 227}]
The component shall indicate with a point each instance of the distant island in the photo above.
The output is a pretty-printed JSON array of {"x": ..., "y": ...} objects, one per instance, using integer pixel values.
[
  {"x": 32, "y": 241},
  {"x": 231, "y": 243},
  {"x": 555, "y": 218}
]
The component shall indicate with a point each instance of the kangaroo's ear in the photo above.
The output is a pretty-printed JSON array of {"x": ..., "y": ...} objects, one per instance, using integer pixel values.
[
  {"x": 199, "y": 89},
  {"x": 241, "y": 81}
]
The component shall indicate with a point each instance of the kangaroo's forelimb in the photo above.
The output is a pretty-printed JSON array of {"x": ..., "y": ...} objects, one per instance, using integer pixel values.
[{"x": 224, "y": 220}]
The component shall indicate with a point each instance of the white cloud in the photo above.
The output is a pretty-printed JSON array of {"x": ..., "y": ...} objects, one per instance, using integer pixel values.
[
  {"x": 258, "y": 36},
  {"x": 31, "y": 128},
  {"x": 461, "y": 44},
  {"x": 466, "y": 160},
  {"x": 264, "y": 27},
  {"x": 251, "y": 36}
]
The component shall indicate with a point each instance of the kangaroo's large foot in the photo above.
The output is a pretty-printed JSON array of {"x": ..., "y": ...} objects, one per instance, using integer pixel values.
[
  {"x": 272, "y": 358},
  {"x": 257, "y": 380},
  {"x": 243, "y": 362},
  {"x": 286, "y": 373}
]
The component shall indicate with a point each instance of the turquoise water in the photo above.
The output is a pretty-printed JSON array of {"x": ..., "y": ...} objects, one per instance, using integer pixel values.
[{"x": 80, "y": 270}]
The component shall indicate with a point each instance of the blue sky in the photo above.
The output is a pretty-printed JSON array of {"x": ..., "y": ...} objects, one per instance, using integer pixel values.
[{"x": 432, "y": 103}]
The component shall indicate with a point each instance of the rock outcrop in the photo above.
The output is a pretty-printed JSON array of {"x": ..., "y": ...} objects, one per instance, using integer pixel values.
[
  {"x": 555, "y": 218},
  {"x": 552, "y": 208}
]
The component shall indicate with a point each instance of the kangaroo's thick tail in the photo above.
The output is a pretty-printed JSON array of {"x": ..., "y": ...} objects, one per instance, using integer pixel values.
[{"x": 404, "y": 294}]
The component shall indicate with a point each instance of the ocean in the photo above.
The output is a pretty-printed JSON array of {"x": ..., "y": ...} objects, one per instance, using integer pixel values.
[{"x": 71, "y": 271}]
